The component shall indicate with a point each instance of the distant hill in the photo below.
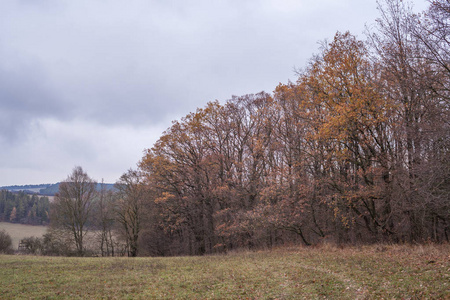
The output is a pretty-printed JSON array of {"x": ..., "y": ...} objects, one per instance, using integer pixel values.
[
  {"x": 47, "y": 189},
  {"x": 50, "y": 190},
  {"x": 29, "y": 188}
]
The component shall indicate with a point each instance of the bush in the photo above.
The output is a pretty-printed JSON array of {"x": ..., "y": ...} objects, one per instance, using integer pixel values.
[
  {"x": 5, "y": 243},
  {"x": 32, "y": 245},
  {"x": 54, "y": 244}
]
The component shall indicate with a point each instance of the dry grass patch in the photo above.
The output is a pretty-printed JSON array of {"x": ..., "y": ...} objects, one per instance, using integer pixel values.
[
  {"x": 21, "y": 231},
  {"x": 311, "y": 273}
]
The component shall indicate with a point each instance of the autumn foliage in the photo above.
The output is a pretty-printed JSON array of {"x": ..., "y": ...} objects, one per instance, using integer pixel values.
[{"x": 357, "y": 150}]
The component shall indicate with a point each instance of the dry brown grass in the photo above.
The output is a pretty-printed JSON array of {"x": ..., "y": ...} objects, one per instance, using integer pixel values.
[
  {"x": 325, "y": 272},
  {"x": 21, "y": 231}
]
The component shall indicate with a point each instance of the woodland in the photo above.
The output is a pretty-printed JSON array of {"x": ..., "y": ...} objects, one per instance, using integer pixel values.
[
  {"x": 355, "y": 151},
  {"x": 24, "y": 208}
]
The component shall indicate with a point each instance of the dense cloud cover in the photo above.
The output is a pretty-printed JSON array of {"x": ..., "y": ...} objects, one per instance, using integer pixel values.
[{"x": 94, "y": 83}]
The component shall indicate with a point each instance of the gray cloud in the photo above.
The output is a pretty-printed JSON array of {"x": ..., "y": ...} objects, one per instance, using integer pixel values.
[
  {"x": 25, "y": 97},
  {"x": 136, "y": 62},
  {"x": 92, "y": 82}
]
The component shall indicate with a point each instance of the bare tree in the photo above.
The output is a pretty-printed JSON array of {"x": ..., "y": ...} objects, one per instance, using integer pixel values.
[
  {"x": 105, "y": 221},
  {"x": 73, "y": 205},
  {"x": 129, "y": 207}
]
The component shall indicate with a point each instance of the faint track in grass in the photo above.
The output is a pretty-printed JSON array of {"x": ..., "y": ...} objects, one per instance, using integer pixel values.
[{"x": 359, "y": 291}]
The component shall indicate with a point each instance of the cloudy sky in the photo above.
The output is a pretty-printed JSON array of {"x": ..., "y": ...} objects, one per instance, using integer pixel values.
[{"x": 95, "y": 82}]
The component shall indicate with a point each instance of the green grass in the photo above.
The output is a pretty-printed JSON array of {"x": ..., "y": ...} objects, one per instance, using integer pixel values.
[
  {"x": 388, "y": 272},
  {"x": 21, "y": 231}
]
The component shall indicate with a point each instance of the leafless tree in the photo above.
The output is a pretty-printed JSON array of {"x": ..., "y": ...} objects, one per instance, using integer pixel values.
[
  {"x": 105, "y": 220},
  {"x": 129, "y": 207},
  {"x": 73, "y": 205}
]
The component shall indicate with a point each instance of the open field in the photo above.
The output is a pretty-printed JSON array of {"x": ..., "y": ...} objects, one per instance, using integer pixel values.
[
  {"x": 20, "y": 231},
  {"x": 290, "y": 273}
]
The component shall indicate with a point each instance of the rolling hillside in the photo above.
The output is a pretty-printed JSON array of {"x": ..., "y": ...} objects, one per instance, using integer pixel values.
[{"x": 48, "y": 189}]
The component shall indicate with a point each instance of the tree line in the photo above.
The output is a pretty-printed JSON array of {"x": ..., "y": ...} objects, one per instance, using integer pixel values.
[
  {"x": 23, "y": 208},
  {"x": 356, "y": 150}
]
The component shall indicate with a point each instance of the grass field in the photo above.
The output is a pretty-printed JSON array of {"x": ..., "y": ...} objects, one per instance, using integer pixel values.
[
  {"x": 20, "y": 231},
  {"x": 419, "y": 272}
]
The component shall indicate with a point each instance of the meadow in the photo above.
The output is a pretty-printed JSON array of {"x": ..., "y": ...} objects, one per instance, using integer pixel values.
[
  {"x": 21, "y": 231},
  {"x": 367, "y": 272}
]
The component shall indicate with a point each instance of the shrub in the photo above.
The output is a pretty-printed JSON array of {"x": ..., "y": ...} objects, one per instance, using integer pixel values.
[
  {"x": 32, "y": 245},
  {"x": 54, "y": 244},
  {"x": 5, "y": 243}
]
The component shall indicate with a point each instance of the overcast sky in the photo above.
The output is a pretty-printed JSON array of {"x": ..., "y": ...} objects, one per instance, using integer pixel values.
[{"x": 95, "y": 82}]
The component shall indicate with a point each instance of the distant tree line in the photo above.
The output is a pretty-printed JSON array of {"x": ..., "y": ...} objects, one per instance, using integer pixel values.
[
  {"x": 357, "y": 150},
  {"x": 23, "y": 208}
]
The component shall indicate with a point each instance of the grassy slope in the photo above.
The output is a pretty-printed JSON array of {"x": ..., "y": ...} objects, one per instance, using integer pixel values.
[
  {"x": 351, "y": 273},
  {"x": 20, "y": 231}
]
